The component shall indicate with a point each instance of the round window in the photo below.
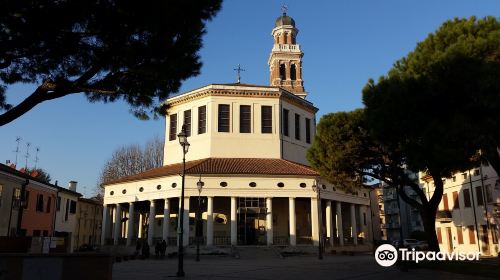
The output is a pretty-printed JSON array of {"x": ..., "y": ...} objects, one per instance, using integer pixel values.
[
  {"x": 111, "y": 193},
  {"x": 141, "y": 189},
  {"x": 174, "y": 185},
  {"x": 223, "y": 184},
  {"x": 158, "y": 187},
  {"x": 323, "y": 186},
  {"x": 281, "y": 185},
  {"x": 124, "y": 191},
  {"x": 303, "y": 185},
  {"x": 253, "y": 184}
]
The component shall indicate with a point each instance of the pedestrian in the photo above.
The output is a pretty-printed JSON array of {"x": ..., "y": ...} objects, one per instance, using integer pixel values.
[
  {"x": 157, "y": 249},
  {"x": 137, "y": 248},
  {"x": 163, "y": 248},
  {"x": 145, "y": 250}
]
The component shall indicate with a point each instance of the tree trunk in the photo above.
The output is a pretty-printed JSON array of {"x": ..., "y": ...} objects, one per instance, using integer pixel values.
[{"x": 429, "y": 220}]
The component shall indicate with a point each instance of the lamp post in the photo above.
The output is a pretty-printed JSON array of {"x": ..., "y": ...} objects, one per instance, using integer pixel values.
[
  {"x": 316, "y": 188},
  {"x": 199, "y": 232},
  {"x": 185, "y": 147}
]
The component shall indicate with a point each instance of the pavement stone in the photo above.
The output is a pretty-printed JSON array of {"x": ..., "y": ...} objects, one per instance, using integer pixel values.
[{"x": 267, "y": 268}]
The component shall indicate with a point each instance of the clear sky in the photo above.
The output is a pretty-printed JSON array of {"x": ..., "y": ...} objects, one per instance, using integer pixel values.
[{"x": 345, "y": 42}]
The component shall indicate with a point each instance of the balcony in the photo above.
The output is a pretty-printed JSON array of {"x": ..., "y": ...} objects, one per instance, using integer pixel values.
[{"x": 444, "y": 216}]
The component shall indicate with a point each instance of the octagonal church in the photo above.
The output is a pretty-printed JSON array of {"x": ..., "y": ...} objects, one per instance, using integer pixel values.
[{"x": 247, "y": 149}]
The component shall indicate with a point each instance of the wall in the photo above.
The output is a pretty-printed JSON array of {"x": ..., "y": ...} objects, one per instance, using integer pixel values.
[
  {"x": 39, "y": 220},
  {"x": 8, "y": 185}
]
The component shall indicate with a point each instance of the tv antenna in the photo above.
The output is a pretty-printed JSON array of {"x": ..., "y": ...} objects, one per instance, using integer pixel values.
[
  {"x": 36, "y": 156},
  {"x": 28, "y": 144},
  {"x": 18, "y": 140}
]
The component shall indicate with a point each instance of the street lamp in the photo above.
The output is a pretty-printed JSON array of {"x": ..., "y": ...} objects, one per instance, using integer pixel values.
[
  {"x": 199, "y": 232},
  {"x": 185, "y": 147},
  {"x": 316, "y": 188}
]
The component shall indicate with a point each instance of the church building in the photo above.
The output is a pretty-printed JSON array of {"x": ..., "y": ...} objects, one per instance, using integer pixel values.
[{"x": 246, "y": 171}]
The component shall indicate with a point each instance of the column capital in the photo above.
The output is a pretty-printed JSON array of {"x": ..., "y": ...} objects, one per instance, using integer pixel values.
[
  {"x": 131, "y": 203},
  {"x": 152, "y": 201}
]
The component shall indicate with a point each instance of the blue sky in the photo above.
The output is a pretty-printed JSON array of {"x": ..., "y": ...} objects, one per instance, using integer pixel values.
[{"x": 345, "y": 42}]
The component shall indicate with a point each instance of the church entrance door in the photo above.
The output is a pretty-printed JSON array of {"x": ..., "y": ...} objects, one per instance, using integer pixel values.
[{"x": 251, "y": 221}]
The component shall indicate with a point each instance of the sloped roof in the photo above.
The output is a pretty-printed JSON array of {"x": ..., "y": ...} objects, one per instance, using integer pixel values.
[{"x": 230, "y": 166}]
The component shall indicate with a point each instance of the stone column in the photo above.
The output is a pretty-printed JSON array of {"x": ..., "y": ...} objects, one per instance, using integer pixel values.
[
  {"x": 130, "y": 226},
  {"x": 353, "y": 224},
  {"x": 234, "y": 229},
  {"x": 340, "y": 227},
  {"x": 141, "y": 222},
  {"x": 186, "y": 222},
  {"x": 314, "y": 221},
  {"x": 118, "y": 224},
  {"x": 104, "y": 225},
  {"x": 287, "y": 67},
  {"x": 210, "y": 221},
  {"x": 151, "y": 228},
  {"x": 361, "y": 228},
  {"x": 166, "y": 220},
  {"x": 328, "y": 217},
  {"x": 269, "y": 220},
  {"x": 292, "y": 221}
]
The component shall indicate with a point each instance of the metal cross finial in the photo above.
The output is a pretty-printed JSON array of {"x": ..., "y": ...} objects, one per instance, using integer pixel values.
[
  {"x": 238, "y": 71},
  {"x": 284, "y": 9}
]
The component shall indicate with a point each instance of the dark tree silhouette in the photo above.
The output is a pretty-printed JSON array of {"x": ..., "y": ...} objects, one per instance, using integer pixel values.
[{"x": 136, "y": 51}]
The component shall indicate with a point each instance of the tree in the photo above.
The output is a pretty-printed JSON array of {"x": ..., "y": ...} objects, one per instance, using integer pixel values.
[
  {"x": 40, "y": 174},
  {"x": 417, "y": 118},
  {"x": 435, "y": 104},
  {"x": 136, "y": 51},
  {"x": 131, "y": 160}
]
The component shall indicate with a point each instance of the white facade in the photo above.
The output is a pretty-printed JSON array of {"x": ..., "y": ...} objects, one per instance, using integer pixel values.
[
  {"x": 248, "y": 146},
  {"x": 469, "y": 212},
  {"x": 66, "y": 216}
]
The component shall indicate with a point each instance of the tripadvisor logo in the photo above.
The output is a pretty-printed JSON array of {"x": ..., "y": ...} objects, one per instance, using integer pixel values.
[{"x": 386, "y": 255}]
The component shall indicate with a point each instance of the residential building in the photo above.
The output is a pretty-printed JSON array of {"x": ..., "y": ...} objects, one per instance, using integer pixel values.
[
  {"x": 89, "y": 219},
  {"x": 247, "y": 149},
  {"x": 469, "y": 211},
  {"x": 66, "y": 218}
]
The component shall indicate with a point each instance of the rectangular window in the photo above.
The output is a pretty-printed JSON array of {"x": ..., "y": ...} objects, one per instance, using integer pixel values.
[
  {"x": 202, "y": 119},
  {"x": 454, "y": 178},
  {"x": 308, "y": 131},
  {"x": 66, "y": 212},
  {"x": 494, "y": 234},
  {"x": 438, "y": 232},
  {"x": 467, "y": 198},
  {"x": 286, "y": 123},
  {"x": 479, "y": 195},
  {"x": 72, "y": 209},
  {"x": 187, "y": 122},
  {"x": 224, "y": 118},
  {"x": 456, "y": 202},
  {"x": 472, "y": 238},
  {"x": 58, "y": 203},
  {"x": 45, "y": 233},
  {"x": 489, "y": 195},
  {"x": 36, "y": 232},
  {"x": 39, "y": 203},
  {"x": 476, "y": 172},
  {"x": 267, "y": 119},
  {"x": 172, "y": 132},
  {"x": 364, "y": 219},
  {"x": 49, "y": 202},
  {"x": 297, "y": 126},
  {"x": 245, "y": 118},
  {"x": 445, "y": 202},
  {"x": 464, "y": 175},
  {"x": 26, "y": 198},
  {"x": 460, "y": 236}
]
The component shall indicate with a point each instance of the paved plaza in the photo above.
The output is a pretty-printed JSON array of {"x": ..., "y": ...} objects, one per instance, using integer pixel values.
[{"x": 269, "y": 267}]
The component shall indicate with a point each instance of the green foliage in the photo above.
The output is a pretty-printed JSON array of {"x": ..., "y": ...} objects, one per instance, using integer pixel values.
[{"x": 136, "y": 51}]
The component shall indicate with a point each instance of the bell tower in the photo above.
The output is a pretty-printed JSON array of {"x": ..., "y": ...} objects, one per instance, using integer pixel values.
[{"x": 285, "y": 61}]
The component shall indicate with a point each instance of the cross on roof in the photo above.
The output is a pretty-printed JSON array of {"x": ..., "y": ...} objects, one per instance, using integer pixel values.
[
  {"x": 238, "y": 71},
  {"x": 284, "y": 9}
]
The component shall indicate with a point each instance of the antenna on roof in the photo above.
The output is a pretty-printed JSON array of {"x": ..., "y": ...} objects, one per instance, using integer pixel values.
[
  {"x": 28, "y": 144},
  {"x": 36, "y": 156},
  {"x": 18, "y": 140}
]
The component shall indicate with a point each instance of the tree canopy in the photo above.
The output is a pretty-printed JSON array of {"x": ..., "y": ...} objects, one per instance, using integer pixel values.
[
  {"x": 432, "y": 112},
  {"x": 136, "y": 51}
]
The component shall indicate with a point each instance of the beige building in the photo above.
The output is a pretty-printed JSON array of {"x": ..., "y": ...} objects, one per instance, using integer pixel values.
[
  {"x": 469, "y": 212},
  {"x": 89, "y": 220},
  {"x": 248, "y": 147}
]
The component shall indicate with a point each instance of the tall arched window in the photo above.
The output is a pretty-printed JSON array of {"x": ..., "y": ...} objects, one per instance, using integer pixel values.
[
  {"x": 282, "y": 71},
  {"x": 293, "y": 72},
  {"x": 286, "y": 37}
]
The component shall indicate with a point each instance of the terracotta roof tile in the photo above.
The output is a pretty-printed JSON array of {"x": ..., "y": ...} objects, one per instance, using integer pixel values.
[{"x": 234, "y": 166}]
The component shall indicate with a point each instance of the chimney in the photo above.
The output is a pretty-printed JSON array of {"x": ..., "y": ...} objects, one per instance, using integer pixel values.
[{"x": 72, "y": 185}]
